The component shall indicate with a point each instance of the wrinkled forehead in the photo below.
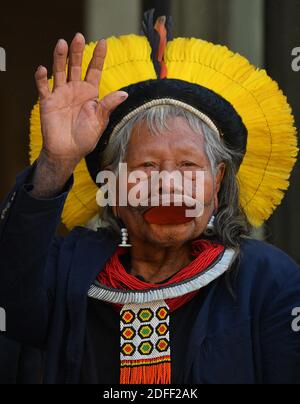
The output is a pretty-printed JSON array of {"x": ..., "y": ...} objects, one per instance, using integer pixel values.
[{"x": 174, "y": 138}]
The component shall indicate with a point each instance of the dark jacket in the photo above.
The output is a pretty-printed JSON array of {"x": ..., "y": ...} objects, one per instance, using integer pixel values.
[
  {"x": 19, "y": 364},
  {"x": 246, "y": 337}
]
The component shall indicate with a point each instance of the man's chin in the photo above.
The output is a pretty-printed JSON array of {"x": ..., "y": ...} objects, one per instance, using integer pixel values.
[{"x": 171, "y": 234}]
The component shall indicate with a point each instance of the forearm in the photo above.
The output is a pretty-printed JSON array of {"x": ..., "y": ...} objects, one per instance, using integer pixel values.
[{"x": 51, "y": 176}]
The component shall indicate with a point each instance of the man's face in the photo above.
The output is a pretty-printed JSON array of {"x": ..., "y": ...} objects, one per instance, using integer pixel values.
[{"x": 178, "y": 149}]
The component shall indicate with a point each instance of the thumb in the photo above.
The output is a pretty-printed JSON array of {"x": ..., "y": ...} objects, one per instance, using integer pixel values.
[{"x": 109, "y": 103}]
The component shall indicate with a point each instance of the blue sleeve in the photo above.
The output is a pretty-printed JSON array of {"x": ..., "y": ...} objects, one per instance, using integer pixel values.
[
  {"x": 27, "y": 245},
  {"x": 280, "y": 331}
]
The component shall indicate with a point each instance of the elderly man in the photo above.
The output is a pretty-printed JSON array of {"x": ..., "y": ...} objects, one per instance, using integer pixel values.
[{"x": 154, "y": 295}]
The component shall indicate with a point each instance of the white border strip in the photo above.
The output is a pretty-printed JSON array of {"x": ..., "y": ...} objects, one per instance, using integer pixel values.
[{"x": 165, "y": 101}]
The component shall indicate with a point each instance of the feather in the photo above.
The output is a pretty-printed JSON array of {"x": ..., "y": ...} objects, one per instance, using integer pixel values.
[
  {"x": 160, "y": 28},
  {"x": 152, "y": 36},
  {"x": 158, "y": 34}
]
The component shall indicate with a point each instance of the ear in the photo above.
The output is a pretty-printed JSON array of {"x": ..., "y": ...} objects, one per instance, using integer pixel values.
[{"x": 218, "y": 181}]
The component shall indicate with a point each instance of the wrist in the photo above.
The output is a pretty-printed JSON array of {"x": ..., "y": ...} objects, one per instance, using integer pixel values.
[
  {"x": 65, "y": 164},
  {"x": 51, "y": 175}
]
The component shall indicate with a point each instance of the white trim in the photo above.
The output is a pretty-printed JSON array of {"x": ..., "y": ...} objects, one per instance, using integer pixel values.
[
  {"x": 118, "y": 296},
  {"x": 165, "y": 101}
]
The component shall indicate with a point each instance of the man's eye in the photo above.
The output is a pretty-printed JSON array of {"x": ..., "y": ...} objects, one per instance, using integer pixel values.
[
  {"x": 187, "y": 164},
  {"x": 148, "y": 164}
]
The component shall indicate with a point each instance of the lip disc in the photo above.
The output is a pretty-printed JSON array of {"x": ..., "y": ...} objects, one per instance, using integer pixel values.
[{"x": 167, "y": 215}]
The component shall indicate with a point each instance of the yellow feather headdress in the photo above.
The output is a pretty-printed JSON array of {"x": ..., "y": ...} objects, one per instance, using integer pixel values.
[{"x": 271, "y": 145}]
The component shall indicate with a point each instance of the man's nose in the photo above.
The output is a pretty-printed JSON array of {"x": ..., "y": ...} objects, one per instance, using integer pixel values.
[
  {"x": 168, "y": 165},
  {"x": 170, "y": 178}
]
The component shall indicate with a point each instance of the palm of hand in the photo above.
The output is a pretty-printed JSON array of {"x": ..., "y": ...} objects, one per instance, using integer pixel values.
[{"x": 72, "y": 118}]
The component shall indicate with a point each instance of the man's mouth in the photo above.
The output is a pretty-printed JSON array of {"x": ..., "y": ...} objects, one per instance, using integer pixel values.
[
  {"x": 167, "y": 215},
  {"x": 167, "y": 209}
]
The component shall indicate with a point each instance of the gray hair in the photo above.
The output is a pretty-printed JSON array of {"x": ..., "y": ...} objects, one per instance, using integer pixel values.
[{"x": 230, "y": 221}]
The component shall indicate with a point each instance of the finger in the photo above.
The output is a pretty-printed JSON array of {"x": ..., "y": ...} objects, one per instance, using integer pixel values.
[
  {"x": 75, "y": 57},
  {"x": 59, "y": 63},
  {"x": 41, "y": 81},
  {"x": 93, "y": 75},
  {"x": 109, "y": 103}
]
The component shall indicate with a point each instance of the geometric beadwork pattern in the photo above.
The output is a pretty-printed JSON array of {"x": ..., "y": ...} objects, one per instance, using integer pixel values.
[
  {"x": 145, "y": 348},
  {"x": 162, "y": 313},
  {"x": 144, "y": 333},
  {"x": 128, "y": 349},
  {"x": 128, "y": 317},
  {"x": 162, "y": 329},
  {"x": 145, "y": 315},
  {"x": 128, "y": 333},
  {"x": 162, "y": 345}
]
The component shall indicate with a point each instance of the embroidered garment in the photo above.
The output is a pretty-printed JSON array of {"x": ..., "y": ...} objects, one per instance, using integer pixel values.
[{"x": 145, "y": 307}]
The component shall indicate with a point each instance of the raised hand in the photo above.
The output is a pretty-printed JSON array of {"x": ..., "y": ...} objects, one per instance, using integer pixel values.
[{"x": 72, "y": 117}]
